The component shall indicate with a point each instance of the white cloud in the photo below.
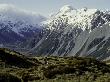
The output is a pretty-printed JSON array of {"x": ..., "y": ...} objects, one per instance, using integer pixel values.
[{"x": 11, "y": 12}]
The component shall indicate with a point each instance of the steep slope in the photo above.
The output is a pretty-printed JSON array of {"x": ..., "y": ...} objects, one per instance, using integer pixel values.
[
  {"x": 63, "y": 28},
  {"x": 17, "y": 25},
  {"x": 95, "y": 44}
]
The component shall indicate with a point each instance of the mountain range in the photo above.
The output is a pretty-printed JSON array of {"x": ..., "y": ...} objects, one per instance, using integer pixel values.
[
  {"x": 76, "y": 32},
  {"x": 68, "y": 32},
  {"x": 17, "y": 26}
]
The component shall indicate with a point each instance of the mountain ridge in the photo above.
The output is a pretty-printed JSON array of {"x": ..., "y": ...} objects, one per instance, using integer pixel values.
[{"x": 64, "y": 28}]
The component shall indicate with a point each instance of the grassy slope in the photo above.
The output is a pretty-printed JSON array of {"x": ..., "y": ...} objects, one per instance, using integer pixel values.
[{"x": 53, "y": 69}]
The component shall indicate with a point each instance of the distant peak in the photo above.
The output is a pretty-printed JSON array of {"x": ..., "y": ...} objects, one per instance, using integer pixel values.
[
  {"x": 9, "y": 12},
  {"x": 66, "y": 8}
]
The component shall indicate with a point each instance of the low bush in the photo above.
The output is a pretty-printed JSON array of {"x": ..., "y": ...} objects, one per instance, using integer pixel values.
[{"x": 5, "y": 77}]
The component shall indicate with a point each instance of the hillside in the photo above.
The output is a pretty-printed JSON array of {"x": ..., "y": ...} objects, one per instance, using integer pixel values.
[
  {"x": 11, "y": 58},
  {"x": 51, "y": 69}
]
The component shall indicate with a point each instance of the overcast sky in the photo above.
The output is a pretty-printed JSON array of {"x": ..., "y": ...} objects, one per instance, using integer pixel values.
[{"x": 46, "y": 7}]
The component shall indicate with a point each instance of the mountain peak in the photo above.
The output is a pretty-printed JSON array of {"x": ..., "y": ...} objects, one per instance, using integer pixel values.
[
  {"x": 80, "y": 18},
  {"x": 66, "y": 8},
  {"x": 16, "y": 25}
]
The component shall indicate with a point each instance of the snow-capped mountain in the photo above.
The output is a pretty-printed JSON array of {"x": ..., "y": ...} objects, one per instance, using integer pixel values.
[
  {"x": 17, "y": 25},
  {"x": 68, "y": 31},
  {"x": 81, "y": 18}
]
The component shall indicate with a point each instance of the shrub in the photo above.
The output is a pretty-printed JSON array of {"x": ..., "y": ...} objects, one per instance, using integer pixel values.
[
  {"x": 29, "y": 77},
  {"x": 5, "y": 77}
]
